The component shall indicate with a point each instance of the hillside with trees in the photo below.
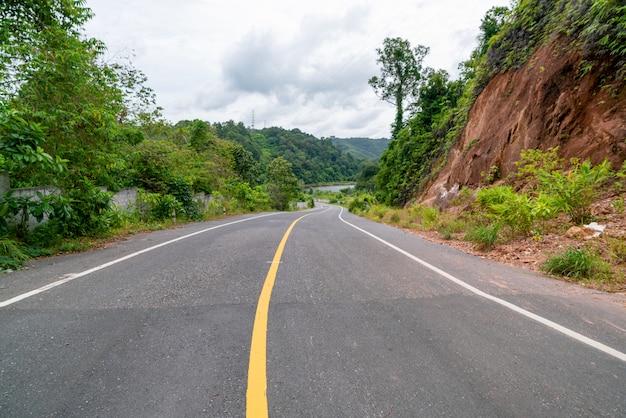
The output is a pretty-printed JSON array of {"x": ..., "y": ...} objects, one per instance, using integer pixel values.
[
  {"x": 521, "y": 154},
  {"x": 534, "y": 66},
  {"x": 313, "y": 160},
  {"x": 87, "y": 127},
  {"x": 362, "y": 148}
]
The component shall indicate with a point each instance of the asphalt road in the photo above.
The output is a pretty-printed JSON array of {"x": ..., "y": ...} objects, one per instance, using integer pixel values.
[{"x": 364, "y": 321}]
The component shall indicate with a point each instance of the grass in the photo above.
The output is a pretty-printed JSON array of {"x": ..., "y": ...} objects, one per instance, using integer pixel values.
[
  {"x": 484, "y": 236},
  {"x": 579, "y": 264}
]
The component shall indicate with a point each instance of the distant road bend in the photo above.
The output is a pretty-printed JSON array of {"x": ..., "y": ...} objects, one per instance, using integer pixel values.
[{"x": 316, "y": 313}]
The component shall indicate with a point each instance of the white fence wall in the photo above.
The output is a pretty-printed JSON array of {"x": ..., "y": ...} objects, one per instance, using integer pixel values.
[{"x": 124, "y": 199}]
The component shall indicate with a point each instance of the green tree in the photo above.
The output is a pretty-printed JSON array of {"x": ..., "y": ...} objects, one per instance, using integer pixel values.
[
  {"x": 25, "y": 26},
  {"x": 401, "y": 76},
  {"x": 407, "y": 162},
  {"x": 200, "y": 138},
  {"x": 281, "y": 184},
  {"x": 366, "y": 177},
  {"x": 490, "y": 25},
  {"x": 21, "y": 149},
  {"x": 53, "y": 76}
]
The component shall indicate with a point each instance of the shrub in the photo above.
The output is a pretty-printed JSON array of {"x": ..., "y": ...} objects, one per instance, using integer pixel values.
[
  {"x": 249, "y": 199},
  {"x": 485, "y": 236},
  {"x": 574, "y": 192},
  {"x": 166, "y": 206},
  {"x": 156, "y": 207},
  {"x": 392, "y": 216},
  {"x": 361, "y": 203},
  {"x": 489, "y": 196},
  {"x": 430, "y": 215},
  {"x": 577, "y": 264},
  {"x": 616, "y": 248},
  {"x": 183, "y": 193},
  {"x": 377, "y": 211},
  {"x": 12, "y": 253},
  {"x": 514, "y": 210},
  {"x": 448, "y": 225},
  {"x": 534, "y": 160},
  {"x": 88, "y": 210}
]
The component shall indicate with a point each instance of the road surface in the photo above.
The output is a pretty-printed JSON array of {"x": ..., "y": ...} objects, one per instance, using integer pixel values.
[{"x": 361, "y": 320}]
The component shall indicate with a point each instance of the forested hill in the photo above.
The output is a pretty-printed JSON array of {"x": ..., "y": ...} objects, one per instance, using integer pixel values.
[
  {"x": 363, "y": 148},
  {"x": 313, "y": 160},
  {"x": 545, "y": 74}
]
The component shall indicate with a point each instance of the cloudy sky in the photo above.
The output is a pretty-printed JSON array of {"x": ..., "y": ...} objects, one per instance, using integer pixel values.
[{"x": 294, "y": 64}]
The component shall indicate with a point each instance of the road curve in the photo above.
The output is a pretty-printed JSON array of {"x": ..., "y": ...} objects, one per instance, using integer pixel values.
[{"x": 364, "y": 321}]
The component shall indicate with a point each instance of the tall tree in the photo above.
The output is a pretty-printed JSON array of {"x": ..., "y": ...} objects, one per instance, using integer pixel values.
[
  {"x": 490, "y": 25},
  {"x": 53, "y": 76},
  {"x": 400, "y": 77},
  {"x": 282, "y": 185}
]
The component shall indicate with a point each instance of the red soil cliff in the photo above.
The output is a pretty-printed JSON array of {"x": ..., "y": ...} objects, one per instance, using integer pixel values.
[{"x": 543, "y": 104}]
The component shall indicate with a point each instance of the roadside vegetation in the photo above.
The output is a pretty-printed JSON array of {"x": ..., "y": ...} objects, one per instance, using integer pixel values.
[
  {"x": 85, "y": 127},
  {"x": 547, "y": 199},
  {"x": 547, "y": 196}
]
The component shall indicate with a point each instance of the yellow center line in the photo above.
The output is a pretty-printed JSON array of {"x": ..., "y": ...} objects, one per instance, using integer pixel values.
[{"x": 256, "y": 395}]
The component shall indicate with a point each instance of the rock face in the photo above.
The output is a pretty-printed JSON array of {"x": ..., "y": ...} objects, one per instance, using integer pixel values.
[{"x": 543, "y": 104}]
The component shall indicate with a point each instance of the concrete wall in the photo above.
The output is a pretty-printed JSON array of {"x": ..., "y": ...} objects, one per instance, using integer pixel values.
[{"x": 124, "y": 199}]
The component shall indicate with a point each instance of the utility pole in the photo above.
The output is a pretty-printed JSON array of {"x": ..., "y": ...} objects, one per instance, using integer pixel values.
[{"x": 252, "y": 118}]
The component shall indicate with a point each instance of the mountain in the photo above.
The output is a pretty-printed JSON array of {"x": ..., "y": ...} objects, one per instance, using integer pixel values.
[
  {"x": 362, "y": 148},
  {"x": 313, "y": 160}
]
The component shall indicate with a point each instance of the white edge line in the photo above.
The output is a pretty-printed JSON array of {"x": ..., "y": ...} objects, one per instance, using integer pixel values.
[
  {"x": 118, "y": 260},
  {"x": 570, "y": 333}
]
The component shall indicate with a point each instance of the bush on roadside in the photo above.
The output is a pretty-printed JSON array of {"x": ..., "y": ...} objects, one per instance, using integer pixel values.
[
  {"x": 578, "y": 264},
  {"x": 485, "y": 236},
  {"x": 574, "y": 191}
]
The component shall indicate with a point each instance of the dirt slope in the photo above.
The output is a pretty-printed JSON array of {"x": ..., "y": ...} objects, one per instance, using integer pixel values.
[{"x": 544, "y": 104}]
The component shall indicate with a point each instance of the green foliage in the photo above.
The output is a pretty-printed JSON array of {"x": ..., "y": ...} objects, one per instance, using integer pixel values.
[
  {"x": 239, "y": 134},
  {"x": 490, "y": 26},
  {"x": 46, "y": 235},
  {"x": 313, "y": 161},
  {"x": 575, "y": 191},
  {"x": 410, "y": 157},
  {"x": 12, "y": 253},
  {"x": 571, "y": 192},
  {"x": 577, "y": 264},
  {"x": 484, "y": 236},
  {"x": 429, "y": 216},
  {"x": 21, "y": 147},
  {"x": 182, "y": 192},
  {"x": 362, "y": 148},
  {"x": 534, "y": 161},
  {"x": 596, "y": 28},
  {"x": 361, "y": 203},
  {"x": 490, "y": 196},
  {"x": 78, "y": 109},
  {"x": 400, "y": 77},
  {"x": 157, "y": 207},
  {"x": 89, "y": 210},
  {"x": 517, "y": 211},
  {"x": 366, "y": 177},
  {"x": 245, "y": 165},
  {"x": 250, "y": 199},
  {"x": 281, "y": 185}
]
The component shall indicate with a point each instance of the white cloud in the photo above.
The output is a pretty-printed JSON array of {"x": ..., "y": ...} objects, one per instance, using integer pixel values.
[{"x": 295, "y": 64}]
